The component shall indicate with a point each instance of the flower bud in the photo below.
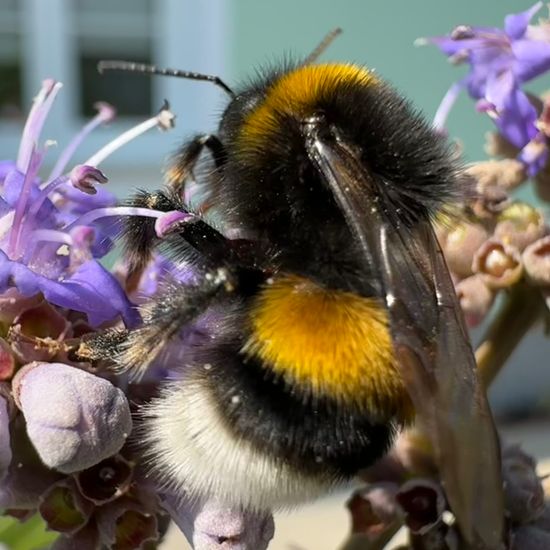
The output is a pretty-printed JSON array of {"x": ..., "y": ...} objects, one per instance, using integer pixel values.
[
  {"x": 489, "y": 203},
  {"x": 505, "y": 174},
  {"x": 461, "y": 244},
  {"x": 124, "y": 525},
  {"x": 519, "y": 225},
  {"x": 475, "y": 298},
  {"x": 499, "y": 264},
  {"x": 211, "y": 525},
  {"x": 423, "y": 504},
  {"x": 536, "y": 260},
  {"x": 105, "y": 481},
  {"x": 373, "y": 509},
  {"x": 523, "y": 491},
  {"x": 63, "y": 508},
  {"x": 74, "y": 419},
  {"x": 36, "y": 333}
]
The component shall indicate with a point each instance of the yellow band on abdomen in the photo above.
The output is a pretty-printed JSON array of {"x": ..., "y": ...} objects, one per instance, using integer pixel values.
[{"x": 332, "y": 343}]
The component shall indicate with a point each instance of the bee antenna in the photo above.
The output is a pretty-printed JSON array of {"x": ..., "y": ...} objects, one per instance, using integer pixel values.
[
  {"x": 322, "y": 46},
  {"x": 142, "y": 68}
]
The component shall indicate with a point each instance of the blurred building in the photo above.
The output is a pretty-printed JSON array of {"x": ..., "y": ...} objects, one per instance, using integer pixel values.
[{"x": 64, "y": 39}]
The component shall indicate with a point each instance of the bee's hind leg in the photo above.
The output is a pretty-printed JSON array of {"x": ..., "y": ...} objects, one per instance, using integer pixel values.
[{"x": 163, "y": 319}]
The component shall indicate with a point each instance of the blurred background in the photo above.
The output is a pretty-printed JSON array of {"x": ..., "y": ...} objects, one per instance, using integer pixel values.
[{"x": 65, "y": 39}]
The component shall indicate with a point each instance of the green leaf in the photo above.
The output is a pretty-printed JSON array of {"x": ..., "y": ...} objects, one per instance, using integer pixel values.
[{"x": 28, "y": 535}]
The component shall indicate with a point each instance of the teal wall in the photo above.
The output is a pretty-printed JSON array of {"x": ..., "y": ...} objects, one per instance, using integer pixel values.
[{"x": 380, "y": 34}]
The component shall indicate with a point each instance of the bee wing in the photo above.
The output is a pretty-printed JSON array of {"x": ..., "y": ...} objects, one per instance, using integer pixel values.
[{"x": 429, "y": 336}]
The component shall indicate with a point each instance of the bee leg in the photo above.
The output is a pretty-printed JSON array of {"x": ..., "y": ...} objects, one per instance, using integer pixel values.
[
  {"x": 138, "y": 233},
  {"x": 164, "y": 318},
  {"x": 184, "y": 161}
]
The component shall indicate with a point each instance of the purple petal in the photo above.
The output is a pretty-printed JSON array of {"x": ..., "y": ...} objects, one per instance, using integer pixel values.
[
  {"x": 5, "y": 448},
  {"x": 93, "y": 277},
  {"x": 91, "y": 289},
  {"x": 517, "y": 122},
  {"x": 37, "y": 116},
  {"x": 450, "y": 47},
  {"x": 489, "y": 61},
  {"x": 500, "y": 86},
  {"x": 515, "y": 24},
  {"x": 13, "y": 186},
  {"x": 516, "y": 115},
  {"x": 6, "y": 166},
  {"x": 74, "y": 419},
  {"x": 82, "y": 202},
  {"x": 532, "y": 59}
]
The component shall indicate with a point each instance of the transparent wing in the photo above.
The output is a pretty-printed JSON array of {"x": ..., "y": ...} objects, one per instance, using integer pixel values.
[{"x": 429, "y": 336}]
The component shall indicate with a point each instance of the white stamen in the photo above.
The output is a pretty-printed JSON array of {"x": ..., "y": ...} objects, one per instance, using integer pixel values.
[{"x": 163, "y": 120}]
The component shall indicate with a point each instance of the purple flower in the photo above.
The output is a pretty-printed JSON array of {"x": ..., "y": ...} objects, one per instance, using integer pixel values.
[
  {"x": 211, "y": 525},
  {"x": 500, "y": 60},
  {"x": 52, "y": 232},
  {"x": 74, "y": 419}
]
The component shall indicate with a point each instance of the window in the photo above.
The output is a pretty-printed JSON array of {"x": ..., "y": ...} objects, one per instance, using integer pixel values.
[
  {"x": 10, "y": 61},
  {"x": 114, "y": 30}
]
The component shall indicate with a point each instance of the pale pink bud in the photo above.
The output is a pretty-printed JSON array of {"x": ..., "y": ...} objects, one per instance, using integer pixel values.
[
  {"x": 74, "y": 419},
  {"x": 499, "y": 264}
]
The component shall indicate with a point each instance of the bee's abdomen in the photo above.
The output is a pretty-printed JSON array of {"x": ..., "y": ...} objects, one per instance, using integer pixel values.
[{"x": 313, "y": 435}]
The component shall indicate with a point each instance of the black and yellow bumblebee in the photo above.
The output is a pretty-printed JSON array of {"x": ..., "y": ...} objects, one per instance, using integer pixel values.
[{"x": 332, "y": 181}]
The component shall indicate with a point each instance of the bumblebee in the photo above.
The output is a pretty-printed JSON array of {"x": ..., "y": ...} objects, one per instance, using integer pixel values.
[{"x": 331, "y": 180}]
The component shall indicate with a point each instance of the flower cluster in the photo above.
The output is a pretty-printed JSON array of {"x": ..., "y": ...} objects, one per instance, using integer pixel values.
[
  {"x": 498, "y": 242},
  {"x": 392, "y": 498},
  {"x": 501, "y": 62},
  {"x": 66, "y": 445},
  {"x": 64, "y": 428}
]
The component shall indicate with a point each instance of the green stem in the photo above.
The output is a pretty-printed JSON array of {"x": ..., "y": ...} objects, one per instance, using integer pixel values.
[{"x": 522, "y": 308}]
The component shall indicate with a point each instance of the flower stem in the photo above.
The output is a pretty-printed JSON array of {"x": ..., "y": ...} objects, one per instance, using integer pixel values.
[{"x": 523, "y": 307}]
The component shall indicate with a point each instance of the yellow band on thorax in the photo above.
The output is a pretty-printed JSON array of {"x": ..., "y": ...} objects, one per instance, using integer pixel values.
[{"x": 298, "y": 93}]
